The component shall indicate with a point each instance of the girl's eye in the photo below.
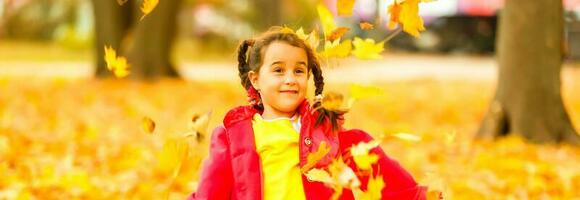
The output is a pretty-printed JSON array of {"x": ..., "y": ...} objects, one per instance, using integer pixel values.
[
  {"x": 299, "y": 71},
  {"x": 277, "y": 70}
]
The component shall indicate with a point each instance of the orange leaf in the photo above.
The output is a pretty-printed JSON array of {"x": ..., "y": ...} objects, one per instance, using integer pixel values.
[
  {"x": 313, "y": 158},
  {"x": 407, "y": 14},
  {"x": 394, "y": 12},
  {"x": 337, "y": 33},
  {"x": 366, "y": 26}
]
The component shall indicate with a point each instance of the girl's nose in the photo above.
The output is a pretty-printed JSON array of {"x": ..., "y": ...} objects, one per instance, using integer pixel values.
[{"x": 290, "y": 79}]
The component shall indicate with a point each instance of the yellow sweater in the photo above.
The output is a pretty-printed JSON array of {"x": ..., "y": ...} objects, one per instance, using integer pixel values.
[{"x": 277, "y": 145}]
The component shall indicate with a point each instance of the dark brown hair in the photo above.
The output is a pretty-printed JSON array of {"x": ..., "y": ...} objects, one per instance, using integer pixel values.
[{"x": 254, "y": 48}]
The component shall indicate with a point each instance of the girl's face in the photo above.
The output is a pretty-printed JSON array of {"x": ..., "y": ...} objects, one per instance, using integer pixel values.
[{"x": 282, "y": 79}]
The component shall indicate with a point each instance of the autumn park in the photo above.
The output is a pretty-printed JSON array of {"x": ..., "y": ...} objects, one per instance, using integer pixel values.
[{"x": 120, "y": 99}]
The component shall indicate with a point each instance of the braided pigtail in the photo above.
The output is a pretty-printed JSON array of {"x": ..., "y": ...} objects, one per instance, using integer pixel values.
[
  {"x": 244, "y": 68},
  {"x": 332, "y": 115}
]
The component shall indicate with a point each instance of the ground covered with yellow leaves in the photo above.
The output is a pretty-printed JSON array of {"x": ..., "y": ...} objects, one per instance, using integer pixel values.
[{"x": 84, "y": 139}]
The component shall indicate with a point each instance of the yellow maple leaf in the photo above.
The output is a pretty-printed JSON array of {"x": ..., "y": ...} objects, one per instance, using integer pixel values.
[
  {"x": 172, "y": 155},
  {"x": 117, "y": 64},
  {"x": 407, "y": 14},
  {"x": 311, "y": 39},
  {"x": 336, "y": 49},
  {"x": 367, "y": 49},
  {"x": 148, "y": 6},
  {"x": 338, "y": 176},
  {"x": 319, "y": 175},
  {"x": 345, "y": 7},
  {"x": 148, "y": 125},
  {"x": 300, "y": 33},
  {"x": 313, "y": 158},
  {"x": 361, "y": 156},
  {"x": 345, "y": 175},
  {"x": 110, "y": 57},
  {"x": 326, "y": 19},
  {"x": 375, "y": 186},
  {"x": 286, "y": 29},
  {"x": 121, "y": 68}
]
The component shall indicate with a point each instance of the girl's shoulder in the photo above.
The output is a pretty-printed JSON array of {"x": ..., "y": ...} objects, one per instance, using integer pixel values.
[{"x": 238, "y": 113}]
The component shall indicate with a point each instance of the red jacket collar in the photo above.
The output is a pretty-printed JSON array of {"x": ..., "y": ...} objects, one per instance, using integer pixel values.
[{"x": 247, "y": 112}]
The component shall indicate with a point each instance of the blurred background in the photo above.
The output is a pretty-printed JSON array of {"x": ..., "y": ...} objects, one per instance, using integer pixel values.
[
  {"x": 69, "y": 129},
  {"x": 66, "y": 28}
]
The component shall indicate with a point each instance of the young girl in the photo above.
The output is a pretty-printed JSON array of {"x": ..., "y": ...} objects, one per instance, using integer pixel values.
[{"x": 259, "y": 150}]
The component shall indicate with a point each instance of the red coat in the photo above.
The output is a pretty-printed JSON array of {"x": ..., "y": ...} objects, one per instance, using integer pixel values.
[{"x": 233, "y": 168}]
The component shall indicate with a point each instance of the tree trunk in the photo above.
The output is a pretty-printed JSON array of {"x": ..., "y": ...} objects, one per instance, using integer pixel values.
[
  {"x": 528, "y": 100},
  {"x": 150, "y": 52},
  {"x": 112, "y": 23},
  {"x": 146, "y": 43}
]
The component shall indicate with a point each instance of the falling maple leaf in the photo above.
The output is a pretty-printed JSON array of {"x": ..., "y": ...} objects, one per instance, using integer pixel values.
[
  {"x": 337, "y": 33},
  {"x": 148, "y": 6},
  {"x": 345, "y": 7},
  {"x": 172, "y": 155},
  {"x": 148, "y": 125},
  {"x": 361, "y": 156},
  {"x": 337, "y": 176},
  {"x": 313, "y": 158},
  {"x": 345, "y": 175},
  {"x": 300, "y": 33},
  {"x": 336, "y": 49},
  {"x": 117, "y": 64},
  {"x": 375, "y": 186},
  {"x": 367, "y": 49},
  {"x": 394, "y": 11},
  {"x": 326, "y": 19},
  {"x": 311, "y": 39},
  {"x": 110, "y": 57},
  {"x": 319, "y": 175},
  {"x": 334, "y": 102},
  {"x": 366, "y": 26},
  {"x": 199, "y": 125},
  {"x": 286, "y": 29},
  {"x": 407, "y": 14},
  {"x": 121, "y": 67}
]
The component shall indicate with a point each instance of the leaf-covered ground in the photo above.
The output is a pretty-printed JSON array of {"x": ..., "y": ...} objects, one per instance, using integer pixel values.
[{"x": 82, "y": 139}]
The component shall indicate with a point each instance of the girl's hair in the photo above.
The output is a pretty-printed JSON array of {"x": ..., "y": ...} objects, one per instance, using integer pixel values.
[{"x": 253, "y": 61}]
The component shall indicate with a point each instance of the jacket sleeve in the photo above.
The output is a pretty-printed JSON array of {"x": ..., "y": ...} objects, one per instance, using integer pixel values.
[
  {"x": 399, "y": 184},
  {"x": 216, "y": 175}
]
